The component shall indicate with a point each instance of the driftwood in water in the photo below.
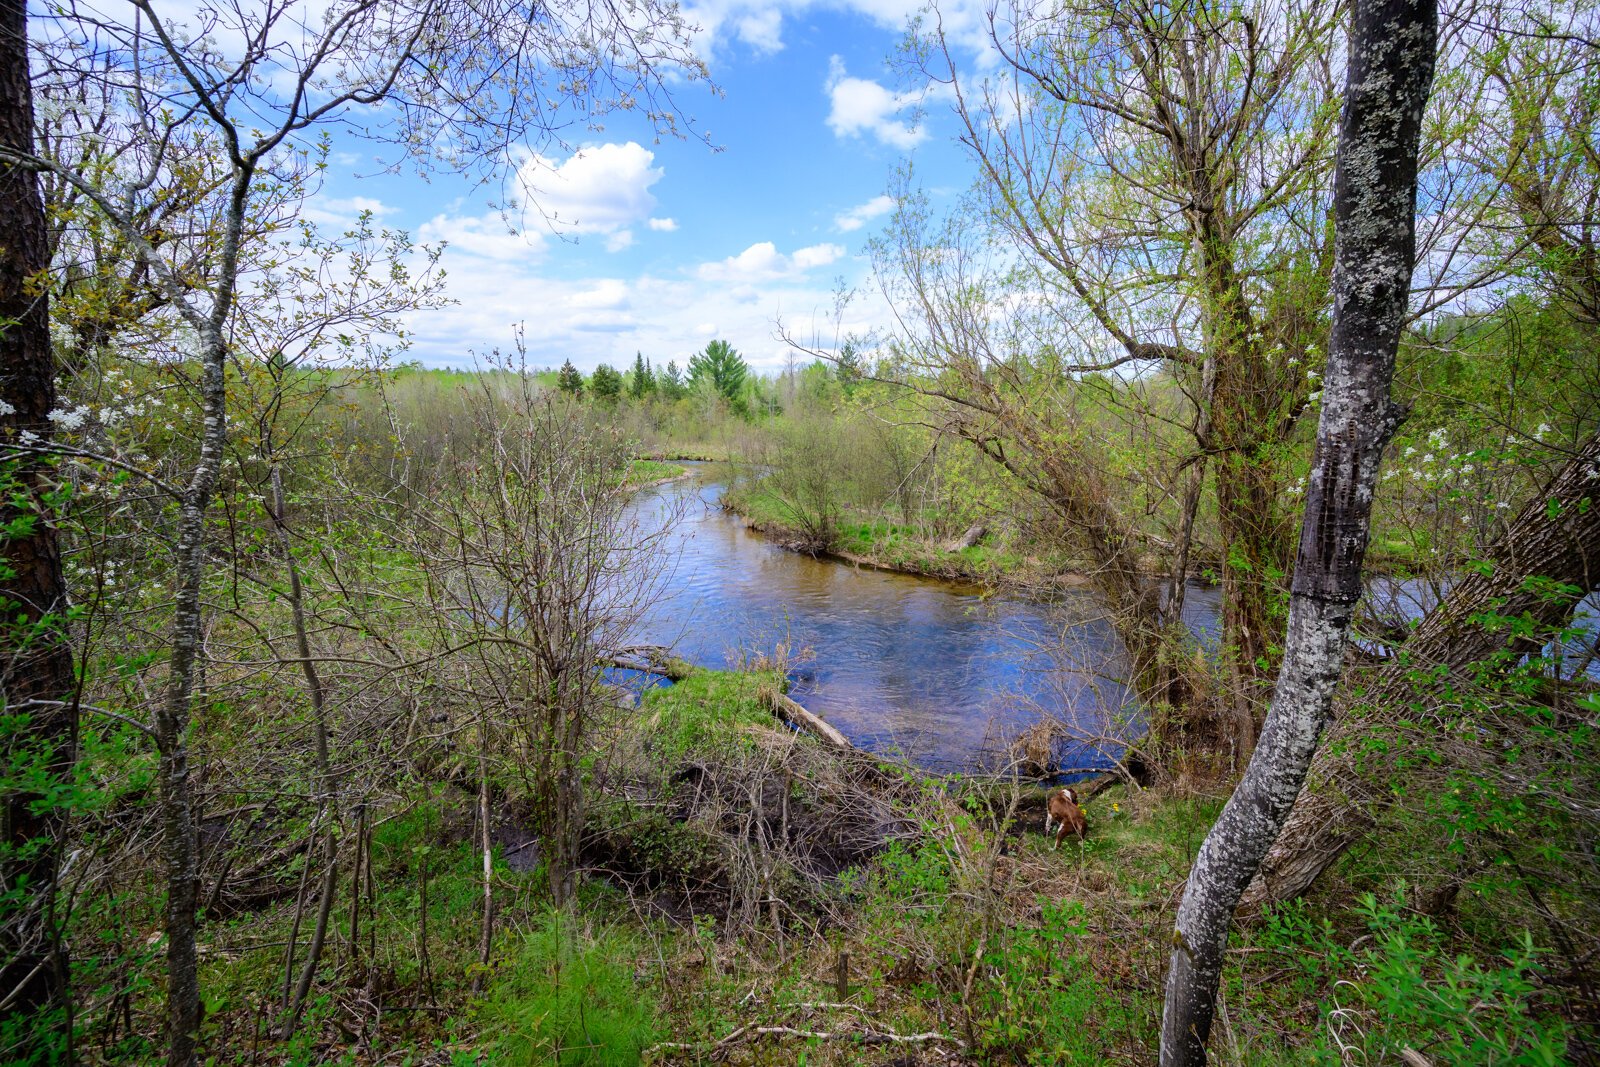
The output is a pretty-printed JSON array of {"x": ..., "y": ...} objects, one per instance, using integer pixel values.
[
  {"x": 649, "y": 659},
  {"x": 793, "y": 713}
]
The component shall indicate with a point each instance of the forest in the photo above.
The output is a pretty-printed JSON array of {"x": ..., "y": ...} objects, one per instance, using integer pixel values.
[{"x": 319, "y": 743}]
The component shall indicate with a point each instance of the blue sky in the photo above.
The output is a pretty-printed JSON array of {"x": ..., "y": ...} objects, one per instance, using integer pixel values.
[{"x": 660, "y": 247}]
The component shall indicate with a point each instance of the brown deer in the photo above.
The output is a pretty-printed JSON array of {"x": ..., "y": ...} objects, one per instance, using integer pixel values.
[{"x": 1062, "y": 808}]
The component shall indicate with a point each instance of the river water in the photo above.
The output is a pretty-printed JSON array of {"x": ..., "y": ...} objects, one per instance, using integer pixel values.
[{"x": 929, "y": 669}]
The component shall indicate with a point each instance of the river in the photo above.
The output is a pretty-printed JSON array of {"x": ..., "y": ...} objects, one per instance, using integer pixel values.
[{"x": 932, "y": 670}]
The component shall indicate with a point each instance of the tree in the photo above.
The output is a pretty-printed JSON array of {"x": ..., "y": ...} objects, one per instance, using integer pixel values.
[
  {"x": 570, "y": 381},
  {"x": 36, "y": 672},
  {"x": 849, "y": 368},
  {"x": 1392, "y": 49},
  {"x": 534, "y": 576},
  {"x": 1162, "y": 170},
  {"x": 465, "y": 81},
  {"x": 965, "y": 345},
  {"x": 669, "y": 381},
  {"x": 720, "y": 368},
  {"x": 643, "y": 382},
  {"x": 606, "y": 383}
]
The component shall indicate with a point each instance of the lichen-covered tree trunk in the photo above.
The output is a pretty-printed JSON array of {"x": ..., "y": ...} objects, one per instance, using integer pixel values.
[
  {"x": 179, "y": 852},
  {"x": 1555, "y": 537},
  {"x": 36, "y": 677},
  {"x": 1391, "y": 58},
  {"x": 179, "y": 847}
]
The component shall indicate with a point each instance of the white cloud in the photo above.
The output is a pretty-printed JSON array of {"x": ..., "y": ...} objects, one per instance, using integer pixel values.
[
  {"x": 861, "y": 214},
  {"x": 761, "y": 29},
  {"x": 341, "y": 212},
  {"x": 603, "y": 189},
  {"x": 758, "y": 24},
  {"x": 763, "y": 262},
  {"x": 566, "y": 314},
  {"x": 862, "y": 107},
  {"x": 664, "y": 225},
  {"x": 816, "y": 256},
  {"x": 610, "y": 294},
  {"x": 488, "y": 237}
]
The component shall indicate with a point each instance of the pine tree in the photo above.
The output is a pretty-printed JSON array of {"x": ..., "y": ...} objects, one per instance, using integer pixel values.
[
  {"x": 606, "y": 383},
  {"x": 720, "y": 365},
  {"x": 644, "y": 381},
  {"x": 570, "y": 381},
  {"x": 670, "y": 381}
]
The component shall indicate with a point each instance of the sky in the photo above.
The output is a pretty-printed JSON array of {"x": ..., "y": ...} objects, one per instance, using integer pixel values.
[{"x": 658, "y": 248}]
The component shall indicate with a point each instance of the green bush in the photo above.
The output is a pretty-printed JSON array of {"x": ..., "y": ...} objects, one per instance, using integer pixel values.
[
  {"x": 1403, "y": 991},
  {"x": 566, "y": 997}
]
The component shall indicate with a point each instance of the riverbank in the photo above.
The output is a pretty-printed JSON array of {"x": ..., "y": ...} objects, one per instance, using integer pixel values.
[
  {"x": 886, "y": 546},
  {"x": 649, "y": 473},
  {"x": 754, "y": 896}
]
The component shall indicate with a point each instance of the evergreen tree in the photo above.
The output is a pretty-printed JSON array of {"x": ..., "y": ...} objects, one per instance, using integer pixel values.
[
  {"x": 720, "y": 365},
  {"x": 850, "y": 368},
  {"x": 644, "y": 381},
  {"x": 570, "y": 381},
  {"x": 606, "y": 383},
  {"x": 669, "y": 382}
]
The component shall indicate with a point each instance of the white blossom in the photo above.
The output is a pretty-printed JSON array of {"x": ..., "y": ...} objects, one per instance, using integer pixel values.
[{"x": 68, "y": 418}]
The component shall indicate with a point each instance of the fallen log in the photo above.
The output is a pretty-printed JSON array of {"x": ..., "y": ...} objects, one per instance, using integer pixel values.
[
  {"x": 969, "y": 539},
  {"x": 791, "y": 712},
  {"x": 649, "y": 659}
]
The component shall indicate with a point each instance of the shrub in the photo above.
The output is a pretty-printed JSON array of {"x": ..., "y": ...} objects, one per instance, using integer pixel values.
[{"x": 567, "y": 997}]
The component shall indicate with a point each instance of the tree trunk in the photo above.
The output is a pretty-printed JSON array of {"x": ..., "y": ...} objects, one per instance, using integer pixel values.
[
  {"x": 178, "y": 847},
  {"x": 1556, "y": 536},
  {"x": 1392, "y": 46},
  {"x": 327, "y": 787},
  {"x": 36, "y": 676}
]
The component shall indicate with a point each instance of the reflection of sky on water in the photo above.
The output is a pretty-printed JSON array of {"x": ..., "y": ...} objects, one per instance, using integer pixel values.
[
  {"x": 1397, "y": 601},
  {"x": 928, "y": 667}
]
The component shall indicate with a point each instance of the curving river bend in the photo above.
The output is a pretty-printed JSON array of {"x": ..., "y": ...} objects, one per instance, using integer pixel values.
[{"x": 929, "y": 668}]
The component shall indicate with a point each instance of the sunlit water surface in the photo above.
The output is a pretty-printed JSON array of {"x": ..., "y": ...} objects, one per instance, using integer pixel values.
[{"x": 931, "y": 669}]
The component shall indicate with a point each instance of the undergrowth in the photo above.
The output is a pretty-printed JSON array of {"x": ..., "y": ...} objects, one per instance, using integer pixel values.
[{"x": 731, "y": 902}]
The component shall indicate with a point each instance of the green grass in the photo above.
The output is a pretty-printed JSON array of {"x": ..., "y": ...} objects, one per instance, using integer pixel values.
[
  {"x": 566, "y": 996},
  {"x": 648, "y": 471},
  {"x": 708, "y": 707},
  {"x": 758, "y": 505},
  {"x": 879, "y": 541},
  {"x": 1027, "y": 956},
  {"x": 900, "y": 547}
]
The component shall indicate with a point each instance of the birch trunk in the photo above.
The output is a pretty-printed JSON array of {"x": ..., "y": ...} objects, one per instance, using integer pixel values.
[
  {"x": 179, "y": 851},
  {"x": 1392, "y": 45}
]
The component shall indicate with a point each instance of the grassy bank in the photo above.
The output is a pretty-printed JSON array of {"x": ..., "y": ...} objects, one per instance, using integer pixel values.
[
  {"x": 755, "y": 898},
  {"x": 643, "y": 473},
  {"x": 873, "y": 541}
]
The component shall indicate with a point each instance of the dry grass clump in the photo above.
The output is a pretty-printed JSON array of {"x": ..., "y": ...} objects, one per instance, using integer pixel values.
[{"x": 748, "y": 822}]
